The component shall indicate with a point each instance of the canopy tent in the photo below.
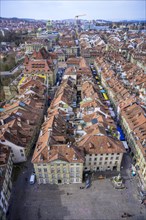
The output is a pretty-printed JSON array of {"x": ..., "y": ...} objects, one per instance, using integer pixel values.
[{"x": 105, "y": 96}]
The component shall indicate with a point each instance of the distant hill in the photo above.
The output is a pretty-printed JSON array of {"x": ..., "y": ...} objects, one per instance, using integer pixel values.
[
  {"x": 72, "y": 20},
  {"x": 20, "y": 19},
  {"x": 133, "y": 21},
  {"x": 102, "y": 21}
]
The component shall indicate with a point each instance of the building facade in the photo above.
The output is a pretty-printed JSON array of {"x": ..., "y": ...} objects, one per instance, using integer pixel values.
[
  {"x": 59, "y": 172},
  {"x": 6, "y": 165}
]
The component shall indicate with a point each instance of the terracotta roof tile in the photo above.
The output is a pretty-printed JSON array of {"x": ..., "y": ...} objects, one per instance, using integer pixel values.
[{"x": 100, "y": 145}]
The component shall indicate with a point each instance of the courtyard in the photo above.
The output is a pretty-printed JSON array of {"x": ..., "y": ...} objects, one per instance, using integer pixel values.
[{"x": 100, "y": 201}]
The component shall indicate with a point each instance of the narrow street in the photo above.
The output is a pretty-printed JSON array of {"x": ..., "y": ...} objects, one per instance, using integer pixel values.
[{"x": 45, "y": 201}]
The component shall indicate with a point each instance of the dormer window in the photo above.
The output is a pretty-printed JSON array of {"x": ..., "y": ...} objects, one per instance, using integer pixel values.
[
  {"x": 74, "y": 157},
  {"x": 2, "y": 140}
]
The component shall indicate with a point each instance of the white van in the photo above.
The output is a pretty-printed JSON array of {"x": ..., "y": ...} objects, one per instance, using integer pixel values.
[{"x": 32, "y": 179}]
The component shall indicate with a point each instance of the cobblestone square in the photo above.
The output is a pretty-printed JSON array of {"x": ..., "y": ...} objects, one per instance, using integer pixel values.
[{"x": 100, "y": 201}]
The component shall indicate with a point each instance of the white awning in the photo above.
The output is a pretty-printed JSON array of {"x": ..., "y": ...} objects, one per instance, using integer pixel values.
[
  {"x": 125, "y": 145},
  {"x": 112, "y": 113}
]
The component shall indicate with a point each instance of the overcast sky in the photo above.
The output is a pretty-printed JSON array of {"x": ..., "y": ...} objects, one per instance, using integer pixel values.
[{"x": 56, "y": 10}]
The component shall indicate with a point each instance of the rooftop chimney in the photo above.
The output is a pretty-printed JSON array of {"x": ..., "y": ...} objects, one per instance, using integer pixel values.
[
  {"x": 91, "y": 145},
  {"x": 2, "y": 121},
  {"x": 109, "y": 145}
]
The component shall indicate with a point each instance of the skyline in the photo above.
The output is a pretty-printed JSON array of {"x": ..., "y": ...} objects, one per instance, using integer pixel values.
[{"x": 59, "y": 10}]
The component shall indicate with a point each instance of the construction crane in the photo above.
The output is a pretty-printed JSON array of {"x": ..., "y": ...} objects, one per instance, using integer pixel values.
[
  {"x": 79, "y": 16},
  {"x": 76, "y": 17}
]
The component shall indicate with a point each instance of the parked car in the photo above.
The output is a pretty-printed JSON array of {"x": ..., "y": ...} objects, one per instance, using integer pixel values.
[
  {"x": 87, "y": 183},
  {"x": 142, "y": 194},
  {"x": 32, "y": 178},
  {"x": 143, "y": 201}
]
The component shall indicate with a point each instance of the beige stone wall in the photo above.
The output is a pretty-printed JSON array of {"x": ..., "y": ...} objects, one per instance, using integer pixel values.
[
  {"x": 61, "y": 58},
  {"x": 138, "y": 155},
  {"x": 7, "y": 92},
  {"x": 103, "y": 162},
  {"x": 59, "y": 172},
  {"x": 32, "y": 47},
  {"x": 142, "y": 172},
  {"x": 7, "y": 186}
]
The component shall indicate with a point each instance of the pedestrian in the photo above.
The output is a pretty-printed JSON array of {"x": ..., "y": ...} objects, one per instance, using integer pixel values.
[{"x": 142, "y": 201}]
